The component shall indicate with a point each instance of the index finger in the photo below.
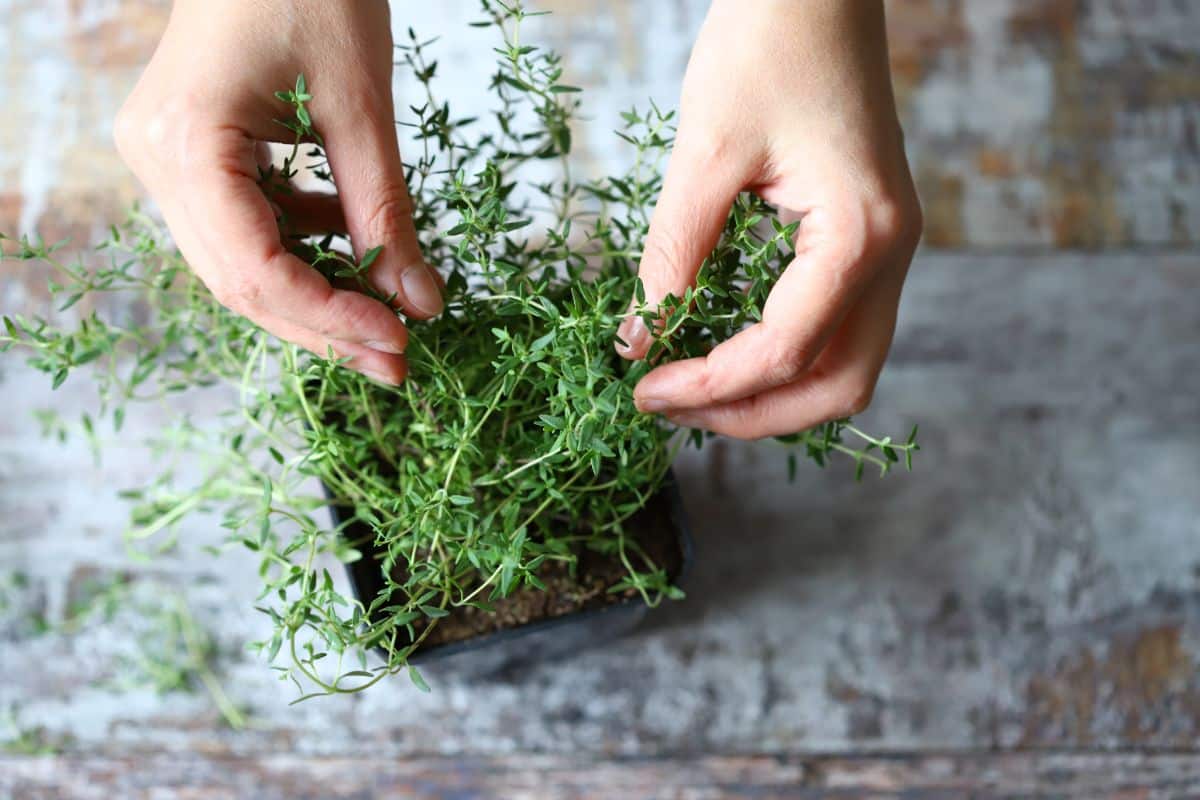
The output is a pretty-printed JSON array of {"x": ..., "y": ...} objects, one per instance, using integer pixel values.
[{"x": 244, "y": 263}]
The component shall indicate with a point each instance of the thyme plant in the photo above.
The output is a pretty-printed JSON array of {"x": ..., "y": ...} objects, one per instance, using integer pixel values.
[{"x": 514, "y": 442}]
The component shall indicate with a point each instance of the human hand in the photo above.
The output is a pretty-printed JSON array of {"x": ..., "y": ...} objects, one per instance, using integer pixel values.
[
  {"x": 193, "y": 132},
  {"x": 792, "y": 101}
]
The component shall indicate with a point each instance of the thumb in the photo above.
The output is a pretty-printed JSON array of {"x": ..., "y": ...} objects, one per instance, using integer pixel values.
[
  {"x": 688, "y": 219},
  {"x": 364, "y": 157}
]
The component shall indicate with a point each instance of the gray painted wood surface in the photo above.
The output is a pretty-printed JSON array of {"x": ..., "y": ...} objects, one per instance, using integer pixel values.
[
  {"x": 1021, "y": 616},
  {"x": 1035, "y": 583}
]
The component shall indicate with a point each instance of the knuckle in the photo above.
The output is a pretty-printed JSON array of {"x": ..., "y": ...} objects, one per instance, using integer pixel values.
[
  {"x": 877, "y": 227},
  {"x": 884, "y": 219},
  {"x": 748, "y": 419},
  {"x": 850, "y": 244},
  {"x": 147, "y": 126},
  {"x": 785, "y": 362},
  {"x": 386, "y": 210},
  {"x": 169, "y": 120},
  {"x": 225, "y": 297},
  {"x": 892, "y": 222},
  {"x": 341, "y": 313},
  {"x": 240, "y": 295},
  {"x": 856, "y": 397},
  {"x": 665, "y": 254},
  {"x": 708, "y": 387}
]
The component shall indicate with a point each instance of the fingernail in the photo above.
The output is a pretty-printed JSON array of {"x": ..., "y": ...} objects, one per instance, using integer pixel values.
[
  {"x": 633, "y": 333},
  {"x": 379, "y": 377},
  {"x": 664, "y": 389},
  {"x": 651, "y": 405},
  {"x": 385, "y": 347},
  {"x": 421, "y": 289}
]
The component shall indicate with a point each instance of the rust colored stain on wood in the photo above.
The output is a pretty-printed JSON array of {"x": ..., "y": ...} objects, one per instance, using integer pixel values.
[
  {"x": 921, "y": 34},
  {"x": 1066, "y": 123},
  {"x": 995, "y": 163},
  {"x": 1146, "y": 681}
]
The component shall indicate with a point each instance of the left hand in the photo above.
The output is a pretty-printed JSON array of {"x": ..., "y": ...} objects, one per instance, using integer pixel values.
[
  {"x": 794, "y": 102},
  {"x": 194, "y": 130}
]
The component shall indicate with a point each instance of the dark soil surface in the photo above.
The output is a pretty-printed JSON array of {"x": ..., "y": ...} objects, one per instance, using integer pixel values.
[{"x": 565, "y": 592}]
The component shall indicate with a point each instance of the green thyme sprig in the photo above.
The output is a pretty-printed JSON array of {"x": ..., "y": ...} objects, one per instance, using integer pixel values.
[{"x": 514, "y": 442}]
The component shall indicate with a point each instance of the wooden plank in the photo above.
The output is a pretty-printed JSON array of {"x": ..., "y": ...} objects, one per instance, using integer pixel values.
[
  {"x": 1113, "y": 776},
  {"x": 1032, "y": 584}
]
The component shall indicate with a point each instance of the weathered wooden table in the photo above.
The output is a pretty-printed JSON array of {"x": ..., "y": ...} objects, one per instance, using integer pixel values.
[
  {"x": 1022, "y": 611},
  {"x": 1018, "y": 618}
]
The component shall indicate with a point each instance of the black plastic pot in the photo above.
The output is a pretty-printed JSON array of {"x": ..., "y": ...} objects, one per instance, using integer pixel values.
[{"x": 544, "y": 639}]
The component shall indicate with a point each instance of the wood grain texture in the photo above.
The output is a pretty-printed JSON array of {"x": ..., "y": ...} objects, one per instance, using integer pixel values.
[
  {"x": 1029, "y": 124},
  {"x": 523, "y": 777},
  {"x": 1034, "y": 584}
]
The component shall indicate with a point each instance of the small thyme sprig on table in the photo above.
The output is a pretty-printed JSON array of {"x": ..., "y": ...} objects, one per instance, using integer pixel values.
[{"x": 513, "y": 443}]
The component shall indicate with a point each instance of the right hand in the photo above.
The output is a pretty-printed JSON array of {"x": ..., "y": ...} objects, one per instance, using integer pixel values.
[{"x": 191, "y": 130}]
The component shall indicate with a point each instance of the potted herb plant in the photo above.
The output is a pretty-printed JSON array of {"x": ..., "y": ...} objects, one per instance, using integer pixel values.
[{"x": 510, "y": 480}]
